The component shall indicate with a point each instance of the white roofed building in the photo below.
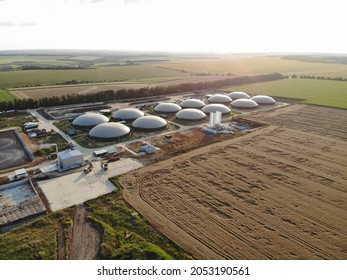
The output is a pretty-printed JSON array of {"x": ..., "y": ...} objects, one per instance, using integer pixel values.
[
  {"x": 190, "y": 114},
  {"x": 238, "y": 95},
  {"x": 89, "y": 120},
  {"x": 109, "y": 131},
  {"x": 263, "y": 99},
  {"x": 70, "y": 159},
  {"x": 167, "y": 108},
  {"x": 127, "y": 114},
  {"x": 212, "y": 108},
  {"x": 149, "y": 123},
  {"x": 244, "y": 103},
  {"x": 192, "y": 103}
]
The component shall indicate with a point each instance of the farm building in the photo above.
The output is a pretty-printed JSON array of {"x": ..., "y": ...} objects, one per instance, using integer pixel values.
[
  {"x": 167, "y": 108},
  {"x": 69, "y": 159},
  {"x": 127, "y": 114},
  {"x": 216, "y": 108},
  {"x": 263, "y": 99},
  {"x": 149, "y": 123},
  {"x": 220, "y": 99},
  {"x": 89, "y": 120},
  {"x": 109, "y": 131},
  {"x": 192, "y": 103},
  {"x": 244, "y": 103},
  {"x": 238, "y": 95},
  {"x": 190, "y": 114}
]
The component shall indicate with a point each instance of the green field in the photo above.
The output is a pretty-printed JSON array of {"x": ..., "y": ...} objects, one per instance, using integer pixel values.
[
  {"x": 125, "y": 234},
  {"x": 12, "y": 79},
  {"x": 318, "y": 92},
  {"x": 6, "y": 96},
  {"x": 247, "y": 65}
]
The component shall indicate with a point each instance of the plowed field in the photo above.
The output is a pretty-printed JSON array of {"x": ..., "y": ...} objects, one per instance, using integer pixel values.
[{"x": 279, "y": 192}]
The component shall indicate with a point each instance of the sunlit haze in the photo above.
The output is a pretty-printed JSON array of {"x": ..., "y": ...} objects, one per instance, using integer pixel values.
[{"x": 175, "y": 25}]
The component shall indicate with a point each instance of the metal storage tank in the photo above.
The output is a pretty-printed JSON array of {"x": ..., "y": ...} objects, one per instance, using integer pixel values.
[
  {"x": 244, "y": 103},
  {"x": 216, "y": 107},
  {"x": 70, "y": 159},
  {"x": 192, "y": 103},
  {"x": 220, "y": 99},
  {"x": 263, "y": 99},
  {"x": 127, "y": 114},
  {"x": 109, "y": 131},
  {"x": 190, "y": 114},
  {"x": 238, "y": 95},
  {"x": 89, "y": 120},
  {"x": 149, "y": 123},
  {"x": 168, "y": 108}
]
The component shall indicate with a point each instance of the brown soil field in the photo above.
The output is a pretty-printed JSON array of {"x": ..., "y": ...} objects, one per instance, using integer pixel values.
[
  {"x": 86, "y": 89},
  {"x": 278, "y": 192}
]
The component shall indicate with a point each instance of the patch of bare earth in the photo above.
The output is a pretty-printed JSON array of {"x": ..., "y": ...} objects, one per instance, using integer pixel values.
[
  {"x": 85, "y": 241},
  {"x": 277, "y": 193}
]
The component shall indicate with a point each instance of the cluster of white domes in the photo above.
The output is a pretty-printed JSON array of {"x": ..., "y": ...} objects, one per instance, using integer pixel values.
[
  {"x": 149, "y": 123},
  {"x": 167, "y": 108},
  {"x": 190, "y": 114},
  {"x": 127, "y": 114},
  {"x": 89, "y": 120},
  {"x": 212, "y": 108},
  {"x": 192, "y": 103},
  {"x": 109, "y": 131},
  {"x": 220, "y": 98}
]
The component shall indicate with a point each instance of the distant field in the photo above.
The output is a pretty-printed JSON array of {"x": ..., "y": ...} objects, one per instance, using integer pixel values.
[
  {"x": 102, "y": 74},
  {"x": 318, "y": 92},
  {"x": 5, "y": 95},
  {"x": 245, "y": 65}
]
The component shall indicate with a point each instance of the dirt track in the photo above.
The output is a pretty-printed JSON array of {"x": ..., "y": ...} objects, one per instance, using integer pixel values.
[
  {"x": 277, "y": 193},
  {"x": 86, "y": 89},
  {"x": 85, "y": 241}
]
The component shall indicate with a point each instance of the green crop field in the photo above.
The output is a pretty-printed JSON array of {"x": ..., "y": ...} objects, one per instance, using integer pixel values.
[
  {"x": 246, "y": 65},
  {"x": 318, "y": 92},
  {"x": 5, "y": 95},
  {"x": 13, "y": 79}
]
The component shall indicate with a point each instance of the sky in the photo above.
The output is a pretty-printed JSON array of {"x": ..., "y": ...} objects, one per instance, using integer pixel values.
[{"x": 175, "y": 25}]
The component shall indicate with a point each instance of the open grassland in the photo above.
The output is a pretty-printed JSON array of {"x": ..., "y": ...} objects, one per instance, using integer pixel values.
[
  {"x": 318, "y": 92},
  {"x": 121, "y": 234},
  {"x": 275, "y": 193},
  {"x": 247, "y": 65},
  {"x": 13, "y": 79},
  {"x": 6, "y": 95}
]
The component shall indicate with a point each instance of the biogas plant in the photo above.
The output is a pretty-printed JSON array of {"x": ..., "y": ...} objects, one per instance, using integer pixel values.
[{"x": 64, "y": 155}]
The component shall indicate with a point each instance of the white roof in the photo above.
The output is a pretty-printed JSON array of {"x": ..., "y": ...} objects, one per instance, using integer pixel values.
[
  {"x": 192, "y": 103},
  {"x": 20, "y": 171},
  {"x": 128, "y": 114},
  {"x": 190, "y": 114},
  {"x": 238, "y": 94},
  {"x": 69, "y": 153},
  {"x": 216, "y": 107},
  {"x": 149, "y": 122},
  {"x": 167, "y": 108},
  {"x": 221, "y": 98},
  {"x": 109, "y": 130},
  {"x": 263, "y": 99},
  {"x": 90, "y": 119},
  {"x": 244, "y": 103}
]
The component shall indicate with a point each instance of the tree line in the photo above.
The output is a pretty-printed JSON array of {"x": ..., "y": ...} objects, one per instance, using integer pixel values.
[{"x": 110, "y": 95}]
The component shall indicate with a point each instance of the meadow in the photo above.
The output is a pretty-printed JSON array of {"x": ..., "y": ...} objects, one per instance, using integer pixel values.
[
  {"x": 6, "y": 95},
  {"x": 317, "y": 92}
]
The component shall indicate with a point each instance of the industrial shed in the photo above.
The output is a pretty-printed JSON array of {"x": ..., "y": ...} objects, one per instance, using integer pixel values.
[
  {"x": 127, "y": 114},
  {"x": 190, "y": 114},
  {"x": 192, "y": 103},
  {"x": 149, "y": 123},
  {"x": 89, "y": 120},
  {"x": 109, "y": 131},
  {"x": 167, "y": 108},
  {"x": 70, "y": 159}
]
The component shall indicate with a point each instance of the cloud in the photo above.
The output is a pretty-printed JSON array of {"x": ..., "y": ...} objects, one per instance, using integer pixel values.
[{"x": 15, "y": 24}]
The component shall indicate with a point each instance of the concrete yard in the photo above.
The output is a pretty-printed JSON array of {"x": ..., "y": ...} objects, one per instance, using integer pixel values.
[{"x": 79, "y": 187}]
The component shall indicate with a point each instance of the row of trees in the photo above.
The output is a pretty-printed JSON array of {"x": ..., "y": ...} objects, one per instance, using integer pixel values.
[
  {"x": 109, "y": 95},
  {"x": 318, "y": 78}
]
